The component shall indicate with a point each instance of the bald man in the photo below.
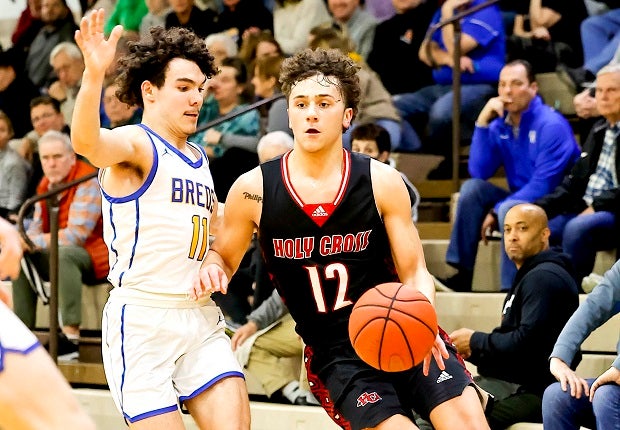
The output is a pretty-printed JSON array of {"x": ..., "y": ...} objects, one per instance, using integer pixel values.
[{"x": 512, "y": 360}]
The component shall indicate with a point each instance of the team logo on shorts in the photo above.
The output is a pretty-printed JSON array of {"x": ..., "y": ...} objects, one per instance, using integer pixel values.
[{"x": 366, "y": 398}]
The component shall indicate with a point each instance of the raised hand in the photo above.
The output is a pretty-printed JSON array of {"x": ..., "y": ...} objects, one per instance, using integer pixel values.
[{"x": 97, "y": 51}]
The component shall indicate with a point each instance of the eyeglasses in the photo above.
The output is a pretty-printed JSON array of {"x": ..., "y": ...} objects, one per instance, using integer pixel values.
[{"x": 42, "y": 116}]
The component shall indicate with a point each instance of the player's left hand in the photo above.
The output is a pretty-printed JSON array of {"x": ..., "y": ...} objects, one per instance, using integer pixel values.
[
  {"x": 439, "y": 352},
  {"x": 210, "y": 279},
  {"x": 610, "y": 376}
]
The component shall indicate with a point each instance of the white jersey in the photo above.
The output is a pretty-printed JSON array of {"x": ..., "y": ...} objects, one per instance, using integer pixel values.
[
  {"x": 158, "y": 236},
  {"x": 14, "y": 335}
]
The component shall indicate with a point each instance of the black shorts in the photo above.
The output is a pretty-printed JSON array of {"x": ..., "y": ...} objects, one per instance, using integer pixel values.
[{"x": 358, "y": 396}]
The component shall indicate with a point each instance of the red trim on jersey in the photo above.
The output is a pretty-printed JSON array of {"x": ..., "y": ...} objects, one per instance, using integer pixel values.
[
  {"x": 318, "y": 212},
  {"x": 321, "y": 393}
]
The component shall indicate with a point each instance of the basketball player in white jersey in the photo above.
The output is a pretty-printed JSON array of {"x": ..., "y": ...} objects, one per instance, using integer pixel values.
[
  {"x": 161, "y": 349},
  {"x": 27, "y": 373}
]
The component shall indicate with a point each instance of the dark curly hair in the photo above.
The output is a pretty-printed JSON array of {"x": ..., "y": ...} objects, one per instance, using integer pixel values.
[
  {"x": 148, "y": 60},
  {"x": 331, "y": 63}
]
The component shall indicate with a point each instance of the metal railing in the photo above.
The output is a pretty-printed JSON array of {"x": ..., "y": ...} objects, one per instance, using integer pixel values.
[
  {"x": 455, "y": 21},
  {"x": 52, "y": 203}
]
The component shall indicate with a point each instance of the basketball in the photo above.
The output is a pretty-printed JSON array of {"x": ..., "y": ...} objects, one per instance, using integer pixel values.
[{"x": 393, "y": 327}]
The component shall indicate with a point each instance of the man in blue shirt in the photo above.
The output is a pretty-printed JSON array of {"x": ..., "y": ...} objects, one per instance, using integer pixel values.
[
  {"x": 535, "y": 146},
  {"x": 482, "y": 56}
]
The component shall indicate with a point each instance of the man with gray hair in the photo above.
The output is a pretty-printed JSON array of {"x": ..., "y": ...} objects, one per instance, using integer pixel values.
[
  {"x": 68, "y": 64},
  {"x": 583, "y": 209},
  {"x": 82, "y": 253},
  {"x": 273, "y": 144}
]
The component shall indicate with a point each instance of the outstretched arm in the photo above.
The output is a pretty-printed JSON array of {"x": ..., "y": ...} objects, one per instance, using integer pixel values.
[
  {"x": 241, "y": 217},
  {"x": 101, "y": 147},
  {"x": 394, "y": 205}
]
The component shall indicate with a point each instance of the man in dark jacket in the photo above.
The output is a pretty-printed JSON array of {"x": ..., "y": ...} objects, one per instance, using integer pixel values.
[
  {"x": 583, "y": 209},
  {"x": 512, "y": 359}
]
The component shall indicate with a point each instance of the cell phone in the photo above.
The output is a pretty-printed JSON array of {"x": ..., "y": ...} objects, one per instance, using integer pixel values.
[{"x": 592, "y": 91}]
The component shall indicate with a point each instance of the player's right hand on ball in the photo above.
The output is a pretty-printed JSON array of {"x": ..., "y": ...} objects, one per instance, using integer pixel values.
[
  {"x": 438, "y": 352},
  {"x": 210, "y": 279}
]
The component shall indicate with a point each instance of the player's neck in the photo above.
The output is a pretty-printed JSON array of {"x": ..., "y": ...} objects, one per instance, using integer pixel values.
[
  {"x": 317, "y": 164},
  {"x": 163, "y": 130}
]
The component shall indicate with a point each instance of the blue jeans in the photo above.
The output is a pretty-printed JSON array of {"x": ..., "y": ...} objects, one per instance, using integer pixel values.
[
  {"x": 476, "y": 198},
  {"x": 561, "y": 411},
  {"x": 430, "y": 109},
  {"x": 600, "y": 36},
  {"x": 582, "y": 236}
]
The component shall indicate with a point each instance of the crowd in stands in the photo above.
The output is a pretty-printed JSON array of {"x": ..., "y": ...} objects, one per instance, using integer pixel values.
[{"x": 406, "y": 69}]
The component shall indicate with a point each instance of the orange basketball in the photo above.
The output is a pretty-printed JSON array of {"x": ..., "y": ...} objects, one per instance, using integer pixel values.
[{"x": 393, "y": 327}]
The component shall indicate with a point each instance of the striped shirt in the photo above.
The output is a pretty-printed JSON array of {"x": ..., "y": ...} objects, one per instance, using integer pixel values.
[
  {"x": 604, "y": 178},
  {"x": 84, "y": 213}
]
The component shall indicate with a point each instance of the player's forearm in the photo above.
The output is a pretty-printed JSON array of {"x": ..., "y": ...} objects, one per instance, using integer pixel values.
[{"x": 85, "y": 125}]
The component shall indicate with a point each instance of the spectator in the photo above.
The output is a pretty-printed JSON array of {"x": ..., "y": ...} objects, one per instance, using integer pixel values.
[
  {"x": 155, "y": 17},
  {"x": 68, "y": 64},
  {"x": 400, "y": 37},
  {"x": 117, "y": 112},
  {"x": 186, "y": 14},
  {"x": 273, "y": 144},
  {"x": 28, "y": 25},
  {"x": 380, "y": 9},
  {"x": 129, "y": 14},
  {"x": 82, "y": 253},
  {"x": 600, "y": 39},
  {"x": 482, "y": 57},
  {"x": 375, "y": 103},
  {"x": 59, "y": 26},
  {"x": 16, "y": 91},
  {"x": 583, "y": 209},
  {"x": 14, "y": 173},
  {"x": 535, "y": 146},
  {"x": 239, "y": 17},
  {"x": 45, "y": 115},
  {"x": 357, "y": 23},
  {"x": 373, "y": 140},
  {"x": 255, "y": 45},
  {"x": 573, "y": 402},
  {"x": 547, "y": 35},
  {"x": 260, "y": 344},
  {"x": 512, "y": 359},
  {"x": 221, "y": 45},
  {"x": 274, "y": 115},
  {"x": 227, "y": 95},
  {"x": 306, "y": 14}
]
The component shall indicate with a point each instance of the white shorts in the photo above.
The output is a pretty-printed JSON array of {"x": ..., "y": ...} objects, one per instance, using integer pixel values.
[
  {"x": 155, "y": 358},
  {"x": 14, "y": 335}
]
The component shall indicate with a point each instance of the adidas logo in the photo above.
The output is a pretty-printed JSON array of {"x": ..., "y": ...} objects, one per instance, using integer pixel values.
[
  {"x": 319, "y": 211},
  {"x": 444, "y": 377}
]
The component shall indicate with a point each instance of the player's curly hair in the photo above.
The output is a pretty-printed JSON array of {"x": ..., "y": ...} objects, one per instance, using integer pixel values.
[
  {"x": 330, "y": 63},
  {"x": 148, "y": 60}
]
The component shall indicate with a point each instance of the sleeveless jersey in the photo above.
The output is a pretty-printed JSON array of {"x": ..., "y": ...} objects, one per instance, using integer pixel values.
[
  {"x": 321, "y": 263},
  {"x": 158, "y": 236},
  {"x": 14, "y": 335}
]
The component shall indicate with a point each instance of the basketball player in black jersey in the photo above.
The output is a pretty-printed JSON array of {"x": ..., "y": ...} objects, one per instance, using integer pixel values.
[{"x": 331, "y": 225}]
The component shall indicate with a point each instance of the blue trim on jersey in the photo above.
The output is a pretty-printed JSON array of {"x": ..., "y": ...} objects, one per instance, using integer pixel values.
[
  {"x": 136, "y": 234},
  {"x": 138, "y": 193},
  {"x": 111, "y": 218},
  {"x": 195, "y": 164},
  {"x": 210, "y": 384},
  {"x": 26, "y": 351},
  {"x": 150, "y": 414},
  {"x": 123, "y": 353}
]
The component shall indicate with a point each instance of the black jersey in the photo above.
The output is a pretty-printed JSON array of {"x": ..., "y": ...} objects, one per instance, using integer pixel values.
[{"x": 322, "y": 257}]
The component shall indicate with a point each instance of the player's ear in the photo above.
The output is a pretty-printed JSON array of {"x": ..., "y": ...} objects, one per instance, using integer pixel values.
[{"x": 147, "y": 91}]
